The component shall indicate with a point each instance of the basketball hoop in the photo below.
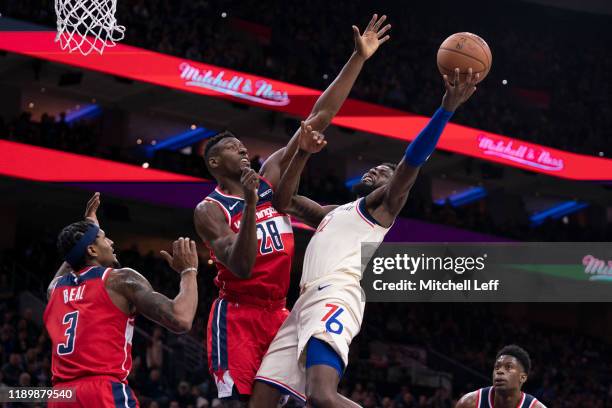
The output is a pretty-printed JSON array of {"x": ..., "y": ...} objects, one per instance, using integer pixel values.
[{"x": 87, "y": 25}]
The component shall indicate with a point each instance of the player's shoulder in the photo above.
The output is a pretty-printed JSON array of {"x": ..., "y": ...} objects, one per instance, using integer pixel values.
[
  {"x": 126, "y": 282},
  {"x": 469, "y": 400},
  {"x": 209, "y": 209},
  {"x": 70, "y": 279},
  {"x": 122, "y": 277},
  {"x": 204, "y": 206},
  {"x": 52, "y": 286},
  {"x": 122, "y": 273}
]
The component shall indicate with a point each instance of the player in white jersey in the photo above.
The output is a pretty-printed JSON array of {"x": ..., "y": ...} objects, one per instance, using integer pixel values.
[{"x": 310, "y": 352}]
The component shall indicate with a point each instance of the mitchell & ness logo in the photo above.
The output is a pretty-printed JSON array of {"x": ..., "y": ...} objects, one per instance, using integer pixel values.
[
  {"x": 529, "y": 155},
  {"x": 256, "y": 89}
]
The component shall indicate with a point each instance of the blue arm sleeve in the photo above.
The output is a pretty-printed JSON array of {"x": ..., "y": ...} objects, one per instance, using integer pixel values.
[{"x": 424, "y": 144}]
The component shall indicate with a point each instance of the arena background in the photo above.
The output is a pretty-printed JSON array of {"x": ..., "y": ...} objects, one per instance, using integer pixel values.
[{"x": 549, "y": 87}]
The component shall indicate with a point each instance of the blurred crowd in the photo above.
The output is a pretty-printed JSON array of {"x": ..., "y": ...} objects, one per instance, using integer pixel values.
[
  {"x": 570, "y": 369},
  {"x": 557, "y": 91},
  {"x": 55, "y": 133}
]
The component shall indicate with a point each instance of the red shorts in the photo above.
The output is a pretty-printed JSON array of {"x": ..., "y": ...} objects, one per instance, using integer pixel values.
[
  {"x": 238, "y": 337},
  {"x": 97, "y": 392}
]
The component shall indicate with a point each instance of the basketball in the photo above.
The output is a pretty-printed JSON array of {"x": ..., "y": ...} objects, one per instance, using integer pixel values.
[{"x": 464, "y": 50}]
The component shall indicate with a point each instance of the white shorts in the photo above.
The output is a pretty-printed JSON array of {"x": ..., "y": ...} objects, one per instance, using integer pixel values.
[{"x": 330, "y": 309}]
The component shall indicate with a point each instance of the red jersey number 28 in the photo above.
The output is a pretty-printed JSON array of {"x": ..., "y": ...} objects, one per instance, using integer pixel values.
[{"x": 271, "y": 239}]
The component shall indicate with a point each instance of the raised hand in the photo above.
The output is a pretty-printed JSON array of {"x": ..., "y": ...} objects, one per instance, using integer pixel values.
[
  {"x": 310, "y": 140},
  {"x": 184, "y": 256},
  {"x": 367, "y": 43},
  {"x": 250, "y": 183},
  {"x": 92, "y": 207},
  {"x": 458, "y": 92}
]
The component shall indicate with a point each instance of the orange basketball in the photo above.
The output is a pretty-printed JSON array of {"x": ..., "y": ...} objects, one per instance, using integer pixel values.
[{"x": 464, "y": 50}]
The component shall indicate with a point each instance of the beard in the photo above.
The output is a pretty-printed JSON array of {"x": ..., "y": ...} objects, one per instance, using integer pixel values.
[{"x": 362, "y": 189}]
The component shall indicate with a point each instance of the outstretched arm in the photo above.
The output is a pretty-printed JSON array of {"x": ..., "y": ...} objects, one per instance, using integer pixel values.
[
  {"x": 285, "y": 198},
  {"x": 386, "y": 202},
  {"x": 236, "y": 251},
  {"x": 90, "y": 214},
  {"x": 175, "y": 314},
  {"x": 330, "y": 101}
]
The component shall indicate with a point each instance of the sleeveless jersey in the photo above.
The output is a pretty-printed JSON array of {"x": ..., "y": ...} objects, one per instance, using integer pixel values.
[
  {"x": 335, "y": 248},
  {"x": 486, "y": 396},
  {"x": 90, "y": 336},
  {"x": 270, "y": 275}
]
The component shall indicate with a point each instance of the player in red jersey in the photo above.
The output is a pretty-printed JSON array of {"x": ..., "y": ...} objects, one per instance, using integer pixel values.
[
  {"x": 251, "y": 242},
  {"x": 92, "y": 303},
  {"x": 512, "y": 366}
]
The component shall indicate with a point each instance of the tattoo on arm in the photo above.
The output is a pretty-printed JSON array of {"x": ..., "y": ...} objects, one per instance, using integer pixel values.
[
  {"x": 139, "y": 292},
  {"x": 308, "y": 210},
  {"x": 227, "y": 245}
]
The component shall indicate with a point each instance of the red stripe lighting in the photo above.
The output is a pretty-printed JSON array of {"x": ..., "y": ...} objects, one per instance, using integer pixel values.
[
  {"x": 209, "y": 80},
  {"x": 42, "y": 164}
]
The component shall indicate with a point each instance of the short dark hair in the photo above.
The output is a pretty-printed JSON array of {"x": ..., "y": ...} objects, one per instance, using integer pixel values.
[
  {"x": 70, "y": 235},
  {"x": 213, "y": 141},
  {"x": 392, "y": 166},
  {"x": 517, "y": 352}
]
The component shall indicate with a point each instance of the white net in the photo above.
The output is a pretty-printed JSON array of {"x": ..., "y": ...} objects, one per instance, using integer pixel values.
[{"x": 87, "y": 25}]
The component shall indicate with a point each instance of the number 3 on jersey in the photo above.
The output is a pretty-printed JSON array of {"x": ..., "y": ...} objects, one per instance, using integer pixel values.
[
  {"x": 71, "y": 319},
  {"x": 270, "y": 238}
]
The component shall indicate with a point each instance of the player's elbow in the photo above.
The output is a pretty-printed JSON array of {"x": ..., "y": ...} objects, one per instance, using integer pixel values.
[
  {"x": 281, "y": 204},
  {"x": 243, "y": 272},
  {"x": 240, "y": 262},
  {"x": 321, "y": 119},
  {"x": 394, "y": 203},
  {"x": 242, "y": 269},
  {"x": 181, "y": 325},
  {"x": 184, "y": 326}
]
